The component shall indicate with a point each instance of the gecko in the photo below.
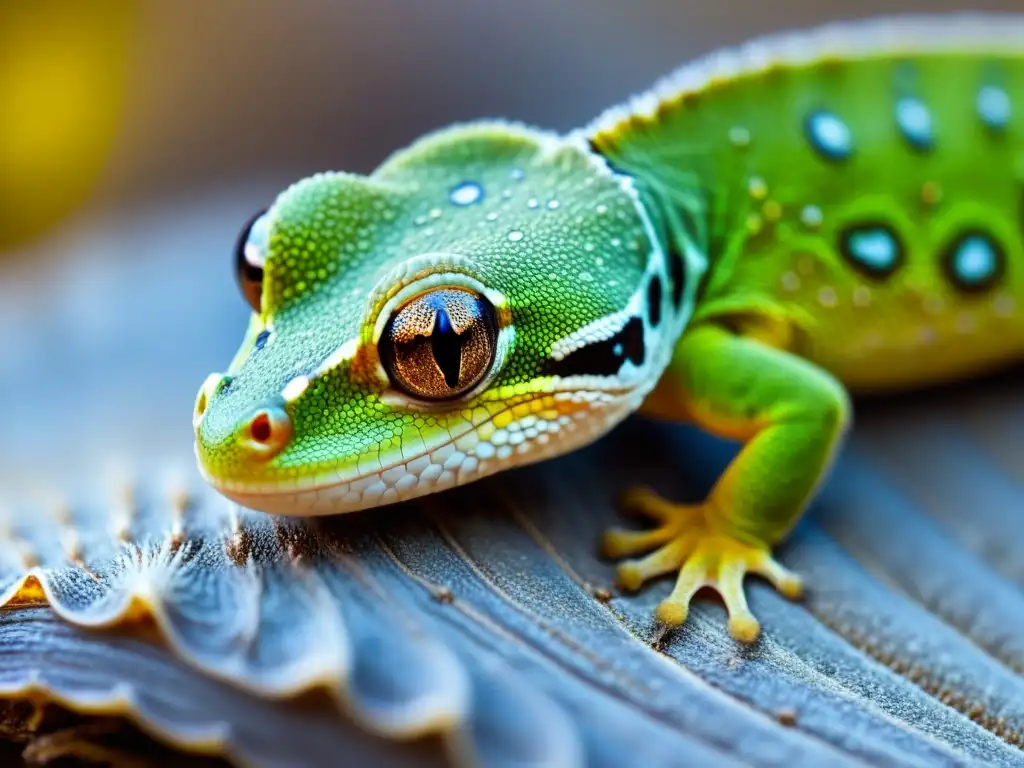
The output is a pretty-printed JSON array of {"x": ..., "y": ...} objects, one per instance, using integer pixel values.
[{"x": 766, "y": 233}]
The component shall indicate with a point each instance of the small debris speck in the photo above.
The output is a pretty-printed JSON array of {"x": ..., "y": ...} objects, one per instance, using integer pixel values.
[{"x": 786, "y": 717}]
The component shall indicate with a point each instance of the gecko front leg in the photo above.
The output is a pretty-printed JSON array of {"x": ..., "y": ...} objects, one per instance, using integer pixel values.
[{"x": 790, "y": 416}]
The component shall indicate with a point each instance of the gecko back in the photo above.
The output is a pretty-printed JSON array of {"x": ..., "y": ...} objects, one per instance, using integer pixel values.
[{"x": 859, "y": 191}]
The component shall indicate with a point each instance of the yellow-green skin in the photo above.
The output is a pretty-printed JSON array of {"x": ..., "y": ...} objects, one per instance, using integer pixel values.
[{"x": 834, "y": 211}]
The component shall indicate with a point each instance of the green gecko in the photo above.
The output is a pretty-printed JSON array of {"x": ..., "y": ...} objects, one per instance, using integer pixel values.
[{"x": 766, "y": 231}]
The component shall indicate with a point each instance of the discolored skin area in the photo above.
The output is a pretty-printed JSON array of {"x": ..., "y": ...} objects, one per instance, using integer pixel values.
[{"x": 767, "y": 231}]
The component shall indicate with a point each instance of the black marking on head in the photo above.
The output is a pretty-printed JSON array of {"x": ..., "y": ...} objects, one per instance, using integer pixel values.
[
  {"x": 974, "y": 261},
  {"x": 654, "y": 301},
  {"x": 873, "y": 248},
  {"x": 261, "y": 340},
  {"x": 603, "y": 358},
  {"x": 677, "y": 271}
]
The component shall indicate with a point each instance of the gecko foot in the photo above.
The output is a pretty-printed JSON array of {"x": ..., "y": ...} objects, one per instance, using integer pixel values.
[{"x": 703, "y": 554}]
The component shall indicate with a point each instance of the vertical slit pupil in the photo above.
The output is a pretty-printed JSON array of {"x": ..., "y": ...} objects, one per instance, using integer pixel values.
[{"x": 446, "y": 344}]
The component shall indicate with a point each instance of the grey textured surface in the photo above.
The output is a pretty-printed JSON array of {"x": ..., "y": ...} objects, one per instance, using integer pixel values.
[{"x": 476, "y": 615}]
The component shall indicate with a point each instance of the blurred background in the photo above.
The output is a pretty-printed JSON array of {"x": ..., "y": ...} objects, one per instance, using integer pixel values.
[{"x": 137, "y": 135}]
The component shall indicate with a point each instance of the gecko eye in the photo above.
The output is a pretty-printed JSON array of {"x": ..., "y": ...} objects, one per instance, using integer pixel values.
[
  {"x": 250, "y": 254},
  {"x": 440, "y": 344}
]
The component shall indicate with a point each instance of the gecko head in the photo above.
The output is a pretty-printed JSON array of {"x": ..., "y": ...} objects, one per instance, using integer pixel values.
[{"x": 488, "y": 297}]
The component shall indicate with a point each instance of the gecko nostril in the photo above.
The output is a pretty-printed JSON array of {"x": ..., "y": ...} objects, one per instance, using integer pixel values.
[
  {"x": 268, "y": 432},
  {"x": 214, "y": 384},
  {"x": 260, "y": 429}
]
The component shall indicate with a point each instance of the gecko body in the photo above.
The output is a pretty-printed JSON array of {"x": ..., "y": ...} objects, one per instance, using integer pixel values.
[{"x": 762, "y": 234}]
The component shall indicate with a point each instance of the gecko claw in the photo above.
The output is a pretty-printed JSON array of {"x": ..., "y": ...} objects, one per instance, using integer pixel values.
[{"x": 703, "y": 556}]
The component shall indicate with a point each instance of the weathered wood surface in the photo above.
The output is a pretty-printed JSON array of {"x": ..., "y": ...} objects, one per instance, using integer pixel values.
[{"x": 480, "y": 615}]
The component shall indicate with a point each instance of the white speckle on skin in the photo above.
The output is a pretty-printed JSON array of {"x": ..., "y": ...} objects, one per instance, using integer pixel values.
[
  {"x": 553, "y": 204},
  {"x": 811, "y": 216},
  {"x": 758, "y": 188},
  {"x": 532, "y": 203},
  {"x": 827, "y": 297},
  {"x": 790, "y": 282},
  {"x": 466, "y": 193},
  {"x": 295, "y": 388},
  {"x": 602, "y": 209},
  {"x": 965, "y": 323},
  {"x": 739, "y": 136},
  {"x": 1003, "y": 306},
  {"x": 933, "y": 305},
  {"x": 515, "y": 235}
]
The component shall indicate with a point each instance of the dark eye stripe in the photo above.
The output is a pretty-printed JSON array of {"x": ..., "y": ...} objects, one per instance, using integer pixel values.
[
  {"x": 654, "y": 301},
  {"x": 603, "y": 358},
  {"x": 677, "y": 268}
]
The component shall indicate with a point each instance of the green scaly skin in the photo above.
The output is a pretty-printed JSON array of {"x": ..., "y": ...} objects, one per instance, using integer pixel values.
[{"x": 769, "y": 229}]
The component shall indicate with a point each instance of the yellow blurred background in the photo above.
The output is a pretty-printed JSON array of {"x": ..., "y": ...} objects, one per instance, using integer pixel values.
[{"x": 62, "y": 87}]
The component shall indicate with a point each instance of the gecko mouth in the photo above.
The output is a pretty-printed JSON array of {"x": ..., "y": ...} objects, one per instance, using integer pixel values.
[{"x": 499, "y": 443}]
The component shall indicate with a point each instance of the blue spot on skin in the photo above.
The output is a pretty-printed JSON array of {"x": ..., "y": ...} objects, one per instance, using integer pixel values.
[
  {"x": 994, "y": 107},
  {"x": 915, "y": 123},
  {"x": 974, "y": 262},
  {"x": 261, "y": 340},
  {"x": 872, "y": 248},
  {"x": 466, "y": 193},
  {"x": 829, "y": 135}
]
